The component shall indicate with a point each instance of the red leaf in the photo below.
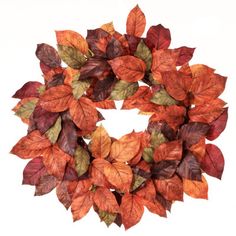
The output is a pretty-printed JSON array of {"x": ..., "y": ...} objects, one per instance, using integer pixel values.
[
  {"x": 45, "y": 185},
  {"x": 128, "y": 68},
  {"x": 213, "y": 161},
  {"x": 185, "y": 54},
  {"x": 158, "y": 37}
]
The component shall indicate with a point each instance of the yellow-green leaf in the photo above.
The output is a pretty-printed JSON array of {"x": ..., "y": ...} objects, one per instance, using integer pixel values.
[
  {"x": 148, "y": 154},
  {"x": 79, "y": 87},
  {"x": 163, "y": 98},
  {"x": 137, "y": 181},
  {"x": 26, "y": 109},
  {"x": 71, "y": 56},
  {"x": 144, "y": 53},
  {"x": 54, "y": 131},
  {"x": 157, "y": 138},
  {"x": 123, "y": 90},
  {"x": 107, "y": 217},
  {"x": 82, "y": 160}
]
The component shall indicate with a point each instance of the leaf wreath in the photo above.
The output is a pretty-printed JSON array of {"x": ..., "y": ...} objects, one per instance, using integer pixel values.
[{"x": 118, "y": 177}]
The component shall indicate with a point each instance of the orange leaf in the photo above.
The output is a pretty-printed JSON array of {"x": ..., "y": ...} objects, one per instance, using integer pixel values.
[
  {"x": 126, "y": 147},
  {"x": 206, "y": 84},
  {"x": 32, "y": 145},
  {"x": 173, "y": 115},
  {"x": 168, "y": 151},
  {"x": 163, "y": 60},
  {"x": 136, "y": 22},
  {"x": 128, "y": 68},
  {"x": 83, "y": 113},
  {"x": 147, "y": 192},
  {"x": 199, "y": 149},
  {"x": 81, "y": 205},
  {"x": 177, "y": 84},
  {"x": 109, "y": 28},
  {"x": 131, "y": 210},
  {"x": 73, "y": 39},
  {"x": 118, "y": 174},
  {"x": 105, "y": 104},
  {"x": 100, "y": 143},
  {"x": 207, "y": 112},
  {"x": 196, "y": 189},
  {"x": 56, "y": 99},
  {"x": 55, "y": 161},
  {"x": 154, "y": 207},
  {"x": 105, "y": 200},
  {"x": 171, "y": 189},
  {"x": 82, "y": 187}
]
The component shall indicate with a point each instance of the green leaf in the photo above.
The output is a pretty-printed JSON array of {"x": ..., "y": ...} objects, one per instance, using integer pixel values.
[
  {"x": 41, "y": 89},
  {"x": 163, "y": 98},
  {"x": 138, "y": 180},
  {"x": 148, "y": 154},
  {"x": 82, "y": 160},
  {"x": 26, "y": 109},
  {"x": 157, "y": 138},
  {"x": 107, "y": 217},
  {"x": 71, "y": 56},
  {"x": 80, "y": 86},
  {"x": 53, "y": 133},
  {"x": 144, "y": 53},
  {"x": 123, "y": 90}
]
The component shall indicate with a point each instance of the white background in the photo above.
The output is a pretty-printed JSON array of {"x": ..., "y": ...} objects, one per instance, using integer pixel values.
[{"x": 207, "y": 25}]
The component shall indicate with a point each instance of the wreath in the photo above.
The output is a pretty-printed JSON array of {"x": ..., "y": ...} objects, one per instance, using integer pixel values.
[{"x": 119, "y": 177}]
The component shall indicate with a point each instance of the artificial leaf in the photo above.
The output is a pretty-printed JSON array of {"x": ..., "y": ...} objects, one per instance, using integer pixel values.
[
  {"x": 105, "y": 200},
  {"x": 136, "y": 22},
  {"x": 26, "y": 107},
  {"x": 71, "y": 56},
  {"x": 126, "y": 147},
  {"x": 189, "y": 168},
  {"x": 55, "y": 161},
  {"x": 168, "y": 151},
  {"x": 108, "y": 27},
  {"x": 72, "y": 39},
  {"x": 33, "y": 171},
  {"x": 81, "y": 205},
  {"x": 131, "y": 210},
  {"x": 29, "y": 89},
  {"x": 144, "y": 53},
  {"x": 48, "y": 55},
  {"x": 115, "y": 49},
  {"x": 82, "y": 160},
  {"x": 107, "y": 217},
  {"x": 137, "y": 182},
  {"x": 213, "y": 161},
  {"x": 56, "y": 99},
  {"x": 163, "y": 98},
  {"x": 128, "y": 68},
  {"x": 123, "y": 90},
  {"x": 79, "y": 87},
  {"x": 53, "y": 133},
  {"x": 31, "y": 145},
  {"x": 83, "y": 113},
  {"x": 196, "y": 189},
  {"x": 218, "y": 125},
  {"x": 157, "y": 138},
  {"x": 100, "y": 143},
  {"x": 171, "y": 189},
  {"x": 158, "y": 37},
  {"x": 185, "y": 54}
]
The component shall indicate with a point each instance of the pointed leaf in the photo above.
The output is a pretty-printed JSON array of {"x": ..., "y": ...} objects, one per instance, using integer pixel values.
[
  {"x": 82, "y": 160},
  {"x": 53, "y": 133},
  {"x": 163, "y": 98},
  {"x": 45, "y": 185}
]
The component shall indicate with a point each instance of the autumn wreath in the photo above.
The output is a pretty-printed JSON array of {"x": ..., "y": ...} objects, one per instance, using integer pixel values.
[{"x": 118, "y": 177}]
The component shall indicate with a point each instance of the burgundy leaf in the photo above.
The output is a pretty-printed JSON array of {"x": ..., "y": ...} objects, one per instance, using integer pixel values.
[
  {"x": 46, "y": 184},
  {"x": 189, "y": 168},
  {"x": 48, "y": 55},
  {"x": 185, "y": 55},
  {"x": 70, "y": 174},
  {"x": 114, "y": 49},
  {"x": 57, "y": 79},
  {"x": 213, "y": 161},
  {"x": 158, "y": 37},
  {"x": 133, "y": 42},
  {"x": 218, "y": 126},
  {"x": 33, "y": 171},
  {"x": 29, "y": 89}
]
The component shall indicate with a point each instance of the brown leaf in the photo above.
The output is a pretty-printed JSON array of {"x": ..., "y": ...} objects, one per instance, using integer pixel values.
[
  {"x": 131, "y": 210},
  {"x": 56, "y": 99},
  {"x": 31, "y": 145},
  {"x": 136, "y": 22},
  {"x": 196, "y": 189},
  {"x": 128, "y": 68},
  {"x": 45, "y": 185}
]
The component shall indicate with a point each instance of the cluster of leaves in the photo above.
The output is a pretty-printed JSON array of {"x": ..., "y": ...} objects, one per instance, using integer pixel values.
[{"x": 149, "y": 169}]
